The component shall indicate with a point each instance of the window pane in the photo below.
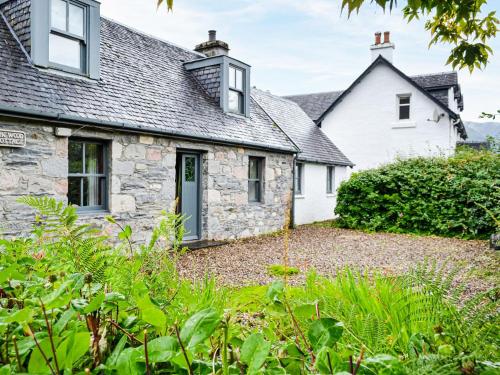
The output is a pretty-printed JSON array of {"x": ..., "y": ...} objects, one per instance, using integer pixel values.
[
  {"x": 404, "y": 100},
  {"x": 94, "y": 160},
  {"x": 239, "y": 79},
  {"x": 235, "y": 102},
  {"x": 189, "y": 170},
  {"x": 75, "y": 20},
  {"x": 232, "y": 77},
  {"x": 58, "y": 15},
  {"x": 253, "y": 172},
  {"x": 75, "y": 156},
  {"x": 298, "y": 179},
  {"x": 404, "y": 112},
  {"x": 93, "y": 191},
  {"x": 64, "y": 51},
  {"x": 74, "y": 192},
  {"x": 254, "y": 191}
]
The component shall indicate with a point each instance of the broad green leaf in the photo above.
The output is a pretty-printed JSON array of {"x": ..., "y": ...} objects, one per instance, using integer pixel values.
[
  {"x": 95, "y": 304},
  {"x": 11, "y": 273},
  {"x": 254, "y": 352},
  {"x": 199, "y": 327},
  {"x": 306, "y": 311},
  {"x": 275, "y": 291},
  {"x": 63, "y": 321},
  {"x": 22, "y": 316},
  {"x": 324, "y": 332},
  {"x": 114, "y": 297},
  {"x": 111, "y": 361},
  {"x": 127, "y": 363},
  {"x": 327, "y": 357},
  {"x": 180, "y": 360},
  {"x": 37, "y": 364},
  {"x": 152, "y": 314},
  {"x": 77, "y": 345},
  {"x": 162, "y": 349},
  {"x": 59, "y": 297}
]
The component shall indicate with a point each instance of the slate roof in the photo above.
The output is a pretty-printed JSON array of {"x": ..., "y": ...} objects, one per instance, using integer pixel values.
[
  {"x": 143, "y": 86},
  {"x": 316, "y": 104},
  {"x": 315, "y": 146}
]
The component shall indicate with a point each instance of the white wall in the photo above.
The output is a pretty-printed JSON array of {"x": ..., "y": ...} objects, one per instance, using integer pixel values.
[
  {"x": 365, "y": 125},
  {"x": 315, "y": 204}
]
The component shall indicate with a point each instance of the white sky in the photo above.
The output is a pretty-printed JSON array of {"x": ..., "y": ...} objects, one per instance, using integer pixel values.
[{"x": 301, "y": 46}]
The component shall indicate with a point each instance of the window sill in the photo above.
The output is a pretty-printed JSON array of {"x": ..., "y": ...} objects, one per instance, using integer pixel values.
[
  {"x": 93, "y": 212},
  {"x": 331, "y": 195},
  {"x": 300, "y": 196},
  {"x": 404, "y": 124}
]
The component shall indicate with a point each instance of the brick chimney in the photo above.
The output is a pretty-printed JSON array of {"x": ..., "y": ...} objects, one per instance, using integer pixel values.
[
  {"x": 212, "y": 47},
  {"x": 385, "y": 48}
]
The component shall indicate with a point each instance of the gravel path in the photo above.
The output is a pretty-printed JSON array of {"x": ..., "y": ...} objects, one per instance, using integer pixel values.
[{"x": 326, "y": 249}]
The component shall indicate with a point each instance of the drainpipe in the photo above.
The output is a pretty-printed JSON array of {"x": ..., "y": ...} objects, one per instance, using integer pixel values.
[{"x": 292, "y": 206}]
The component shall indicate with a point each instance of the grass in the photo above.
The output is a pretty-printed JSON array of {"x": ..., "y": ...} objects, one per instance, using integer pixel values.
[{"x": 281, "y": 270}]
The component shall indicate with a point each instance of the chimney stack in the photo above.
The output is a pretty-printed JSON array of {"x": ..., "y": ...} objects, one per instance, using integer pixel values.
[
  {"x": 384, "y": 49},
  {"x": 212, "y": 47},
  {"x": 387, "y": 36}
]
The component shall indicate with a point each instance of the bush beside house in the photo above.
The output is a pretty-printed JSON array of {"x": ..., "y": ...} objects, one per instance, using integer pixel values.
[{"x": 455, "y": 196}]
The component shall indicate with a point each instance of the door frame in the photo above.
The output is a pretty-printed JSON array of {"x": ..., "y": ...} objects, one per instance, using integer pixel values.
[{"x": 179, "y": 169}]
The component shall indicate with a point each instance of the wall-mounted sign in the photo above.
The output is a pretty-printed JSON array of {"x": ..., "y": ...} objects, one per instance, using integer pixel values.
[{"x": 12, "y": 138}]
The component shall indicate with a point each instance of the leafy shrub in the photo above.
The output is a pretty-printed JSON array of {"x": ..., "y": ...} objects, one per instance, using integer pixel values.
[
  {"x": 441, "y": 196},
  {"x": 71, "y": 301}
]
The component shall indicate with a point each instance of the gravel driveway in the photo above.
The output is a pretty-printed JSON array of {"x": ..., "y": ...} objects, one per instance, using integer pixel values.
[{"x": 326, "y": 249}]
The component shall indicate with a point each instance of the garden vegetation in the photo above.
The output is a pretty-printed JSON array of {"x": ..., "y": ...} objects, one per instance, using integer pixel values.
[
  {"x": 456, "y": 196},
  {"x": 76, "y": 301}
]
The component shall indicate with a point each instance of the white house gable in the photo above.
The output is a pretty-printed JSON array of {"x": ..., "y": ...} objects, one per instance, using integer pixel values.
[{"x": 366, "y": 124}]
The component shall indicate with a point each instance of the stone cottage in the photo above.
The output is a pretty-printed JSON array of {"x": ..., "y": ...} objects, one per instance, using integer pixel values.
[{"x": 117, "y": 122}]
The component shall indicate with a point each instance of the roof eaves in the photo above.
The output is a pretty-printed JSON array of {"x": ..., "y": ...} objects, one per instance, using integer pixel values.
[{"x": 123, "y": 125}]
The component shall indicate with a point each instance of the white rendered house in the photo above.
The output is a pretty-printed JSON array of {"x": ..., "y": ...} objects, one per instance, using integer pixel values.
[
  {"x": 319, "y": 166},
  {"x": 386, "y": 114}
]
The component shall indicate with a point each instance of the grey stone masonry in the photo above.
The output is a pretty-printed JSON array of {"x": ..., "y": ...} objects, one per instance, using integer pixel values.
[
  {"x": 209, "y": 78},
  {"x": 142, "y": 181},
  {"x": 18, "y": 15}
]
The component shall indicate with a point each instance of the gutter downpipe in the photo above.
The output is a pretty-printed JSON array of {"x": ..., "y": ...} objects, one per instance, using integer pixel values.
[{"x": 292, "y": 208}]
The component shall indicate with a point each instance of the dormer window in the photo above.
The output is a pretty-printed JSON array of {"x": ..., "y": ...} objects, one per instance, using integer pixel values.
[
  {"x": 236, "y": 103},
  {"x": 67, "y": 39}
]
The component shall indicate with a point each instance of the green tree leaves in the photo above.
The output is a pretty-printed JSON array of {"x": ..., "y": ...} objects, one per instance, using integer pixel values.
[{"x": 461, "y": 23}]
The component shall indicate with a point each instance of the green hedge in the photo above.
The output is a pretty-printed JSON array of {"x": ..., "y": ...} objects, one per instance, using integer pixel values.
[{"x": 442, "y": 196}]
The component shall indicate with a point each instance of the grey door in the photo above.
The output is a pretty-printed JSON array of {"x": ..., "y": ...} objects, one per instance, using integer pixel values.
[{"x": 190, "y": 194}]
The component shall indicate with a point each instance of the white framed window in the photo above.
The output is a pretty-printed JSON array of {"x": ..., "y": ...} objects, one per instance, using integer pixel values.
[
  {"x": 330, "y": 179},
  {"x": 404, "y": 102},
  {"x": 299, "y": 178},
  {"x": 68, "y": 35},
  {"x": 236, "y": 100}
]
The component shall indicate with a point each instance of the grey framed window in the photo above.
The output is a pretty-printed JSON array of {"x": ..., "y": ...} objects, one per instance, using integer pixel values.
[
  {"x": 87, "y": 174},
  {"x": 299, "y": 179},
  {"x": 236, "y": 100},
  {"x": 255, "y": 167},
  {"x": 68, "y": 35},
  {"x": 404, "y": 107},
  {"x": 330, "y": 179}
]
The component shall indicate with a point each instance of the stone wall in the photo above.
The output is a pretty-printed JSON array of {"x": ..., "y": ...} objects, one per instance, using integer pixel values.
[{"x": 141, "y": 183}]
